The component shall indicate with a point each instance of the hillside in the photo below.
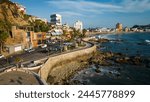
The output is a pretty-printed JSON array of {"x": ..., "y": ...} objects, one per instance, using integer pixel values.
[
  {"x": 142, "y": 26},
  {"x": 9, "y": 15}
]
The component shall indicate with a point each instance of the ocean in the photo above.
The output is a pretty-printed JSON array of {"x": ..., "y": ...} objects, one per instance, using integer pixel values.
[{"x": 130, "y": 44}]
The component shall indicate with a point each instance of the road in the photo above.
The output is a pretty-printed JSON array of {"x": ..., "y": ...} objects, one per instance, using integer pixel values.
[{"x": 39, "y": 53}]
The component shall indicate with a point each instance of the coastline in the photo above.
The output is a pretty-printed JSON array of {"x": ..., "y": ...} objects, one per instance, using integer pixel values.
[
  {"x": 102, "y": 59},
  {"x": 108, "y": 66},
  {"x": 103, "y": 33},
  {"x": 118, "y": 68}
]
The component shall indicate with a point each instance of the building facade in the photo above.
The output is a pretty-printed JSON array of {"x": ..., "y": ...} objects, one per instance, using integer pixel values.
[
  {"x": 34, "y": 18},
  {"x": 56, "y": 19},
  {"x": 21, "y": 38},
  {"x": 78, "y": 25},
  {"x": 119, "y": 27},
  {"x": 38, "y": 38}
]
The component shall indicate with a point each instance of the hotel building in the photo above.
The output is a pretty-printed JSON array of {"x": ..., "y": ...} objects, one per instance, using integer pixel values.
[
  {"x": 78, "y": 25},
  {"x": 56, "y": 19}
]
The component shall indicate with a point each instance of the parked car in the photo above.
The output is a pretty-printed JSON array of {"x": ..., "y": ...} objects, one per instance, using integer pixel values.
[
  {"x": 1, "y": 56},
  {"x": 44, "y": 46},
  {"x": 29, "y": 50},
  {"x": 26, "y": 49}
]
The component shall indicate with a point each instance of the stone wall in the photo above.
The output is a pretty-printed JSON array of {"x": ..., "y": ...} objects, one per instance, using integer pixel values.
[{"x": 56, "y": 60}]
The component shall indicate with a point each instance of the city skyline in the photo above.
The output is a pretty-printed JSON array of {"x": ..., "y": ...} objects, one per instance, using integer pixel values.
[{"x": 93, "y": 13}]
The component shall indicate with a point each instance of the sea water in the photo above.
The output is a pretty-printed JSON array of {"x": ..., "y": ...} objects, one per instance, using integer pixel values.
[{"x": 131, "y": 44}]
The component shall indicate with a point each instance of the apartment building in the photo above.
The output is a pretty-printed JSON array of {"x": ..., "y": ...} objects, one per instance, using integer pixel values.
[
  {"x": 56, "y": 19},
  {"x": 78, "y": 25}
]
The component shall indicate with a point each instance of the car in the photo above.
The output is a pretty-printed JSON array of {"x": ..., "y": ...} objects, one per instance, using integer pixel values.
[
  {"x": 26, "y": 49},
  {"x": 29, "y": 50},
  {"x": 2, "y": 56},
  {"x": 43, "y": 46}
]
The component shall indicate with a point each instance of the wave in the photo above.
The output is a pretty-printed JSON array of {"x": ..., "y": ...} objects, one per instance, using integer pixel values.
[{"x": 148, "y": 41}]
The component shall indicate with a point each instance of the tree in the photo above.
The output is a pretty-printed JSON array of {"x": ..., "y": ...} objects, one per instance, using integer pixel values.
[
  {"x": 76, "y": 33},
  {"x": 64, "y": 32},
  {"x": 84, "y": 31},
  {"x": 40, "y": 26},
  {"x": 1, "y": 1},
  {"x": 3, "y": 37}
]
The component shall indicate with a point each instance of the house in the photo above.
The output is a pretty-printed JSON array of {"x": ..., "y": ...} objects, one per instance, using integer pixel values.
[{"x": 22, "y": 37}]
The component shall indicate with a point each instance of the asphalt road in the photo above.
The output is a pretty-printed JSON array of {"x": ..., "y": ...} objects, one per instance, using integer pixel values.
[{"x": 39, "y": 53}]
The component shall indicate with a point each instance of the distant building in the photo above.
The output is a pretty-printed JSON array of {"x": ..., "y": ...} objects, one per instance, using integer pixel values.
[
  {"x": 21, "y": 8},
  {"x": 56, "y": 32},
  {"x": 34, "y": 18},
  {"x": 78, "y": 25},
  {"x": 119, "y": 27},
  {"x": 126, "y": 29},
  {"x": 56, "y": 19},
  {"x": 102, "y": 29}
]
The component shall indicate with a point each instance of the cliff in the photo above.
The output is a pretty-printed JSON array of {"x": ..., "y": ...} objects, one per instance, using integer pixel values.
[{"x": 9, "y": 15}]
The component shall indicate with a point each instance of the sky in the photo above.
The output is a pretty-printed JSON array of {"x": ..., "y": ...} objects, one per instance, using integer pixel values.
[{"x": 93, "y": 13}]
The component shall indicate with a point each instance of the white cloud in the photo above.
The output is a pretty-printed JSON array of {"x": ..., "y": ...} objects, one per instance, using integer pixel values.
[
  {"x": 70, "y": 14},
  {"x": 83, "y": 7},
  {"x": 135, "y": 5}
]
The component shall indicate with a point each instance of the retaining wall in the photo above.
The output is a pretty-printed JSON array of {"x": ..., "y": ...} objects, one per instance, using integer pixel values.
[{"x": 52, "y": 61}]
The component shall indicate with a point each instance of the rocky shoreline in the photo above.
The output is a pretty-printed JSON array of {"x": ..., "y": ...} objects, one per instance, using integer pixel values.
[
  {"x": 115, "y": 64},
  {"x": 110, "y": 60}
]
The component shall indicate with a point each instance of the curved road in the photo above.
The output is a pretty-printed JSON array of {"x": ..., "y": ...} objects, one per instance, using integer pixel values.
[{"x": 38, "y": 54}]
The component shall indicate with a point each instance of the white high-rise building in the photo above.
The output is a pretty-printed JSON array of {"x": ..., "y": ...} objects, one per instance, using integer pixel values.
[
  {"x": 56, "y": 19},
  {"x": 78, "y": 25}
]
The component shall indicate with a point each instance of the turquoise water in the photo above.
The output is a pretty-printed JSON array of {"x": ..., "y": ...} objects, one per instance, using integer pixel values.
[{"x": 134, "y": 44}]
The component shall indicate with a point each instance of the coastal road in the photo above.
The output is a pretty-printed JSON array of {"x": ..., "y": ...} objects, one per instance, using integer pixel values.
[{"x": 39, "y": 53}]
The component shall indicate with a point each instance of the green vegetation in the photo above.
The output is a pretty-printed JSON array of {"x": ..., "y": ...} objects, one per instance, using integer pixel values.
[
  {"x": 84, "y": 32},
  {"x": 26, "y": 16},
  {"x": 7, "y": 1},
  {"x": 64, "y": 32},
  {"x": 3, "y": 36},
  {"x": 78, "y": 34},
  {"x": 40, "y": 26},
  {"x": 5, "y": 26}
]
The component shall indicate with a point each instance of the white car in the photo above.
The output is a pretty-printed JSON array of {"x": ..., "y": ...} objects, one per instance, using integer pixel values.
[
  {"x": 44, "y": 46},
  {"x": 2, "y": 56},
  {"x": 29, "y": 50}
]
